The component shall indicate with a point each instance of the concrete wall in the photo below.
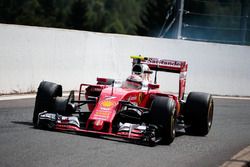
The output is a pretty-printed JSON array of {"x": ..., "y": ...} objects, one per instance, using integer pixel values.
[{"x": 31, "y": 54}]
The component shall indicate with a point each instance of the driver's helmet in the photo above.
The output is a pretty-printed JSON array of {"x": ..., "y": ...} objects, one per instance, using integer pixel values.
[
  {"x": 135, "y": 78},
  {"x": 133, "y": 81},
  {"x": 139, "y": 69},
  {"x": 143, "y": 71}
]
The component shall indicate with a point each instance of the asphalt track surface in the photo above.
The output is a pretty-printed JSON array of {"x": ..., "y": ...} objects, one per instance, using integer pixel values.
[{"x": 22, "y": 145}]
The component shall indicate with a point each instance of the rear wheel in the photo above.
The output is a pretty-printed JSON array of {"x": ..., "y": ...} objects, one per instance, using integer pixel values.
[
  {"x": 199, "y": 113},
  {"x": 45, "y": 97},
  {"x": 162, "y": 114}
]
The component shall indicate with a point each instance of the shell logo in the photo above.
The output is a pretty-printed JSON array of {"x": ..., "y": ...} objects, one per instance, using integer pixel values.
[{"x": 107, "y": 103}]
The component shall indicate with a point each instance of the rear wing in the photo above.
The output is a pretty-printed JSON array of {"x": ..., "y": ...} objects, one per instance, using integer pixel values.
[
  {"x": 165, "y": 65},
  {"x": 174, "y": 66}
]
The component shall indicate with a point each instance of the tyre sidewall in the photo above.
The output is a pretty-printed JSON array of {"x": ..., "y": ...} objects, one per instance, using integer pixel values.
[
  {"x": 47, "y": 91},
  {"x": 198, "y": 113},
  {"x": 162, "y": 114}
]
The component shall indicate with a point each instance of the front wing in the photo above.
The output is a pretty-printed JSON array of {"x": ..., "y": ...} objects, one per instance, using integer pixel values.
[{"x": 127, "y": 131}]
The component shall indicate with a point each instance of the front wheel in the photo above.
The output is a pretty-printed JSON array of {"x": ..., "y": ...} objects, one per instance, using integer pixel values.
[
  {"x": 45, "y": 97},
  {"x": 162, "y": 114},
  {"x": 199, "y": 113}
]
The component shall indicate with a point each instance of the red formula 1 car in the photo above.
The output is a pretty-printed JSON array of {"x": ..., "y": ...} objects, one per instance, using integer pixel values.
[{"x": 134, "y": 109}]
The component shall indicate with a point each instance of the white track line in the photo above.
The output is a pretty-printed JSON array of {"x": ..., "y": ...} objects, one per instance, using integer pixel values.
[
  {"x": 241, "y": 159},
  {"x": 22, "y": 96},
  {"x": 231, "y": 97}
]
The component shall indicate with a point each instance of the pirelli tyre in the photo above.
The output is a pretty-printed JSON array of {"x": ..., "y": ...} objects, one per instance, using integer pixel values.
[
  {"x": 45, "y": 97},
  {"x": 64, "y": 105},
  {"x": 199, "y": 113},
  {"x": 162, "y": 114}
]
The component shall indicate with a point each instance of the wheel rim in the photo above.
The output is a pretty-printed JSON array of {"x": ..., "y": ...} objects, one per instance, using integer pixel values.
[
  {"x": 173, "y": 121},
  {"x": 210, "y": 114},
  {"x": 173, "y": 131}
]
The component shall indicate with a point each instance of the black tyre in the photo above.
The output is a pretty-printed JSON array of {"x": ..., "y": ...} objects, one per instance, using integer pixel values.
[
  {"x": 199, "y": 113},
  {"x": 64, "y": 106},
  {"x": 45, "y": 97},
  {"x": 162, "y": 114},
  {"x": 60, "y": 105}
]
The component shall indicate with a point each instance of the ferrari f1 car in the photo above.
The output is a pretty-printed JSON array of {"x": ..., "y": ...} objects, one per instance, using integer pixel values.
[{"x": 134, "y": 109}]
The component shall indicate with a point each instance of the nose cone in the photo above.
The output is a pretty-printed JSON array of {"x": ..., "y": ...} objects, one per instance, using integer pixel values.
[
  {"x": 103, "y": 114},
  {"x": 105, "y": 110},
  {"x": 98, "y": 125}
]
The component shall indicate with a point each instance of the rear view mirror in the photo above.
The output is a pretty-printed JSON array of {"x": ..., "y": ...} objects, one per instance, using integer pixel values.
[{"x": 105, "y": 81}]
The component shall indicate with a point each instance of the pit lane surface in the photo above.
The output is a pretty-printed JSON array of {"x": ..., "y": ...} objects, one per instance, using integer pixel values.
[{"x": 22, "y": 145}]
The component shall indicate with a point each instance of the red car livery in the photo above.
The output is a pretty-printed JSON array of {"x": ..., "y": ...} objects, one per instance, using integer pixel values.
[{"x": 134, "y": 109}]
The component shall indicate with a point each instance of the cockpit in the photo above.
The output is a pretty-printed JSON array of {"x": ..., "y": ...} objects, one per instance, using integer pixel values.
[
  {"x": 132, "y": 82},
  {"x": 139, "y": 78}
]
